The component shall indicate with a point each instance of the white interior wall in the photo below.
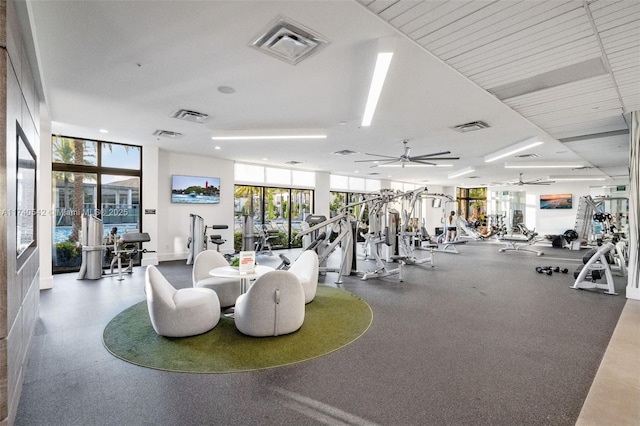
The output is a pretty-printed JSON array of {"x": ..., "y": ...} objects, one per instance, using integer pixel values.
[
  {"x": 552, "y": 221},
  {"x": 173, "y": 219}
]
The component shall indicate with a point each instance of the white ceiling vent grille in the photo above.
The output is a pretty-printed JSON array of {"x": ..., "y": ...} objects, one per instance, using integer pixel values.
[
  {"x": 470, "y": 127},
  {"x": 167, "y": 134},
  {"x": 532, "y": 155},
  {"x": 193, "y": 116},
  {"x": 288, "y": 41},
  {"x": 344, "y": 152}
]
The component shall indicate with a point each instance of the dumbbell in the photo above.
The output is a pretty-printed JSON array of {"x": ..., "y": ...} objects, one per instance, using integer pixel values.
[{"x": 544, "y": 270}]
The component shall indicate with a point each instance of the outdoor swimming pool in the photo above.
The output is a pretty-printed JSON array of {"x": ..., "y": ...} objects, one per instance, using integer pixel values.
[{"x": 61, "y": 233}]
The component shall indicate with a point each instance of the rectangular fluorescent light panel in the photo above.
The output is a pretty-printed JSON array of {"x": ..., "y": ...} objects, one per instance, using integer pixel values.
[
  {"x": 513, "y": 149},
  {"x": 383, "y": 61},
  {"x": 269, "y": 134},
  {"x": 542, "y": 165},
  {"x": 575, "y": 178},
  {"x": 266, "y": 137},
  {"x": 461, "y": 172}
]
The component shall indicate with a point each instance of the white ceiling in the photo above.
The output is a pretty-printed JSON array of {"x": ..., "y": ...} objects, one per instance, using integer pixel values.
[{"x": 126, "y": 66}]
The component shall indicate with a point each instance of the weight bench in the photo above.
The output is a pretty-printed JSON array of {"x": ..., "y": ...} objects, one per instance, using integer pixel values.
[
  {"x": 519, "y": 244},
  {"x": 450, "y": 247}
]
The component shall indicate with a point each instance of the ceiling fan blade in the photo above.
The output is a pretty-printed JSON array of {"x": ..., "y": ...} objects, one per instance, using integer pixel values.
[
  {"x": 432, "y": 155},
  {"x": 380, "y": 155},
  {"x": 433, "y": 159},
  {"x": 413, "y": 160},
  {"x": 391, "y": 159}
]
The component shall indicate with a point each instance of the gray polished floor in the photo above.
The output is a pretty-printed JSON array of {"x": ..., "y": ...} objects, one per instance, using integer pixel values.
[{"x": 481, "y": 338}]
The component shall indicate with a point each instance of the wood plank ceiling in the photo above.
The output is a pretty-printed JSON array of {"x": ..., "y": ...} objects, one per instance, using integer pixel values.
[{"x": 570, "y": 67}]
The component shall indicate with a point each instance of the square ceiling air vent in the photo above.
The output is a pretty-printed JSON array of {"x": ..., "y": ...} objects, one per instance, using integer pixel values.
[
  {"x": 167, "y": 134},
  {"x": 289, "y": 41},
  {"x": 470, "y": 127},
  {"x": 344, "y": 152},
  {"x": 293, "y": 162},
  {"x": 189, "y": 115},
  {"x": 532, "y": 155}
]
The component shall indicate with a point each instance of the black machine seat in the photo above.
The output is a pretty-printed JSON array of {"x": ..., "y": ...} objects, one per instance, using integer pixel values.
[
  {"x": 217, "y": 239},
  {"x": 134, "y": 237}
]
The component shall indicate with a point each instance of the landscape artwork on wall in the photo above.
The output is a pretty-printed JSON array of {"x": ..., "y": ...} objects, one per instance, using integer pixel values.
[
  {"x": 195, "y": 189},
  {"x": 556, "y": 201}
]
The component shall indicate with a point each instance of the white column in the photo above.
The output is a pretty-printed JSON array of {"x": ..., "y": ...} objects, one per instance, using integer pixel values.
[
  {"x": 45, "y": 203},
  {"x": 149, "y": 203},
  {"x": 322, "y": 194},
  {"x": 633, "y": 285}
]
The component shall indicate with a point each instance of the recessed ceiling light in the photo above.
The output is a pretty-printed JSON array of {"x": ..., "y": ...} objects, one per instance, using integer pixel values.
[
  {"x": 104, "y": 131},
  {"x": 217, "y": 147}
]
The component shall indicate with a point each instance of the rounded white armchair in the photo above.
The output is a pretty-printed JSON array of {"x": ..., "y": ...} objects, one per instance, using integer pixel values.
[
  {"x": 306, "y": 269},
  {"x": 227, "y": 289},
  {"x": 179, "y": 313},
  {"x": 273, "y": 305}
]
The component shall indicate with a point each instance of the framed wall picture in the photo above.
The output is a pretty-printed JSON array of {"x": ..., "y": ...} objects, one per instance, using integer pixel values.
[
  {"x": 26, "y": 208},
  {"x": 556, "y": 201},
  {"x": 195, "y": 189}
]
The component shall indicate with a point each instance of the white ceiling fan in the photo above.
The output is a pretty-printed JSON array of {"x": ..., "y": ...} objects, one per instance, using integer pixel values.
[
  {"x": 521, "y": 182},
  {"x": 425, "y": 159}
]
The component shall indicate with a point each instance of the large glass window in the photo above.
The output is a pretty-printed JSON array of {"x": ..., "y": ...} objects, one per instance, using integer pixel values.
[
  {"x": 92, "y": 178},
  {"x": 472, "y": 204},
  {"x": 279, "y": 212}
]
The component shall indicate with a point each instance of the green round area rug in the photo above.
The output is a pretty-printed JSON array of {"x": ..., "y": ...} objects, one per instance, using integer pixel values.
[{"x": 333, "y": 319}]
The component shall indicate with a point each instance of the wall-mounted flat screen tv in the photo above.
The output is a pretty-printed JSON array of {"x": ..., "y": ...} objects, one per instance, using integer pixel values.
[
  {"x": 556, "y": 201},
  {"x": 195, "y": 189}
]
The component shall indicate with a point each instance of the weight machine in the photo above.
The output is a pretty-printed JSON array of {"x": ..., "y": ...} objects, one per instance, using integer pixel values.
[
  {"x": 382, "y": 231},
  {"x": 406, "y": 237},
  {"x": 198, "y": 239},
  {"x": 596, "y": 268},
  {"x": 123, "y": 248},
  {"x": 440, "y": 244},
  {"x": 265, "y": 236},
  {"x": 343, "y": 226}
]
